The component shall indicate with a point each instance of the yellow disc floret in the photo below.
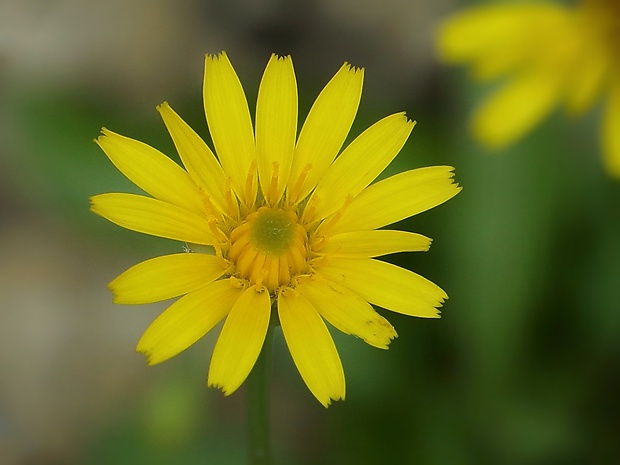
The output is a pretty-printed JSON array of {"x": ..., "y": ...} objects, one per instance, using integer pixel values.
[{"x": 269, "y": 248}]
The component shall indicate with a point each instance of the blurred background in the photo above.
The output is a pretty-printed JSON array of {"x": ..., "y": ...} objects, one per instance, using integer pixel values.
[{"x": 524, "y": 366}]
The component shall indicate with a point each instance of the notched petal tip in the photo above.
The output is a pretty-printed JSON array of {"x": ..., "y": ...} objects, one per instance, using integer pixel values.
[
  {"x": 162, "y": 106},
  {"x": 409, "y": 121},
  {"x": 104, "y": 132},
  {"x": 147, "y": 354},
  {"x": 217, "y": 386},
  {"x": 220, "y": 387},
  {"x": 112, "y": 288},
  {"x": 326, "y": 403},
  {"x": 275, "y": 56},
  {"x": 385, "y": 346},
  {"x": 430, "y": 242},
  {"x": 117, "y": 298},
  {"x": 352, "y": 68},
  {"x": 216, "y": 56},
  {"x": 451, "y": 174},
  {"x": 437, "y": 307},
  {"x": 93, "y": 204}
]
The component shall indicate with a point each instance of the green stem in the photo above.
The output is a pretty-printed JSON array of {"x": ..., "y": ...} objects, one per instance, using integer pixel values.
[{"x": 257, "y": 400}]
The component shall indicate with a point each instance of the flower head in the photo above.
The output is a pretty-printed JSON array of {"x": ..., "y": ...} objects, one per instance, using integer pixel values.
[
  {"x": 553, "y": 53},
  {"x": 289, "y": 223}
]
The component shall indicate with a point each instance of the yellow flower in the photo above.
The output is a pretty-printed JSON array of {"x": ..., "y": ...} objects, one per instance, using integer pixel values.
[
  {"x": 286, "y": 222},
  {"x": 552, "y": 53}
]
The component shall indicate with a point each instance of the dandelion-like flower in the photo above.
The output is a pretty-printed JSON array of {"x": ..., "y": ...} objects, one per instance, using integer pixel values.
[
  {"x": 291, "y": 227},
  {"x": 554, "y": 53}
]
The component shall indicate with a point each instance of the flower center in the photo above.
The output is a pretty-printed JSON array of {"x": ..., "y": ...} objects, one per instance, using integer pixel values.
[{"x": 270, "y": 247}]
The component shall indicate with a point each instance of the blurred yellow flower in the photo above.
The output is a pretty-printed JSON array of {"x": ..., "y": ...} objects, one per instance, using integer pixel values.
[
  {"x": 285, "y": 222},
  {"x": 553, "y": 54}
]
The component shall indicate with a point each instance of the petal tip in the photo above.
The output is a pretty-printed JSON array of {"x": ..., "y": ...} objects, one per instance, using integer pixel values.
[
  {"x": 328, "y": 401},
  {"x": 353, "y": 69},
  {"x": 163, "y": 106},
  {"x": 220, "y": 386},
  {"x": 104, "y": 133},
  {"x": 150, "y": 361},
  {"x": 216, "y": 56}
]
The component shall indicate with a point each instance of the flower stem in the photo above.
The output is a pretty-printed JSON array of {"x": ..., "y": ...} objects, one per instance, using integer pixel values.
[{"x": 257, "y": 400}]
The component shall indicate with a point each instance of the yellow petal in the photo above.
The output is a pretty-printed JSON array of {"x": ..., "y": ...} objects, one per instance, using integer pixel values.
[
  {"x": 162, "y": 278},
  {"x": 152, "y": 216},
  {"x": 374, "y": 243},
  {"x": 386, "y": 285},
  {"x": 513, "y": 110},
  {"x": 611, "y": 131},
  {"x": 311, "y": 347},
  {"x": 187, "y": 320},
  {"x": 348, "y": 312},
  {"x": 398, "y": 197},
  {"x": 230, "y": 125},
  {"x": 197, "y": 157},
  {"x": 240, "y": 341},
  {"x": 276, "y": 126},
  {"x": 477, "y": 31},
  {"x": 360, "y": 163},
  {"x": 151, "y": 170},
  {"x": 325, "y": 130},
  {"x": 466, "y": 34}
]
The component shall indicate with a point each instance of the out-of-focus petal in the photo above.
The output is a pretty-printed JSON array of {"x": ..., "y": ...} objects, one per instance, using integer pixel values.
[
  {"x": 516, "y": 108},
  {"x": 611, "y": 131}
]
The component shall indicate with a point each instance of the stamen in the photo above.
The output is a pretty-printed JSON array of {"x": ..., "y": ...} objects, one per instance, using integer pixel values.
[
  {"x": 249, "y": 186},
  {"x": 273, "y": 187},
  {"x": 296, "y": 191},
  {"x": 325, "y": 228},
  {"x": 300, "y": 239},
  {"x": 217, "y": 232},
  {"x": 310, "y": 210},
  {"x": 208, "y": 205},
  {"x": 233, "y": 206},
  {"x": 318, "y": 242}
]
